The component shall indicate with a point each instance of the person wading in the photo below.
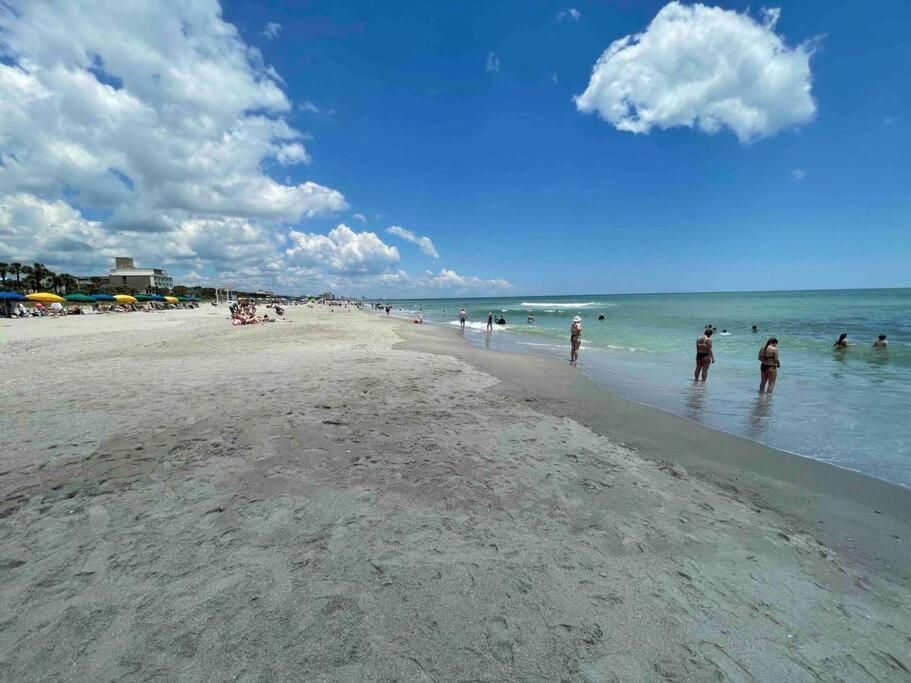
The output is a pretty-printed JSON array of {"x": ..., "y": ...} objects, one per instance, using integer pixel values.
[
  {"x": 769, "y": 364},
  {"x": 704, "y": 355}
]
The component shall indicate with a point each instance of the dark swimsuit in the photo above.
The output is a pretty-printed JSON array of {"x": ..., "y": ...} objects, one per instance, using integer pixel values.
[{"x": 765, "y": 367}]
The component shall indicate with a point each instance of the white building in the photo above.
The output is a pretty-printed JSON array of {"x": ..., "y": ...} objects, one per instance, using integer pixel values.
[{"x": 126, "y": 274}]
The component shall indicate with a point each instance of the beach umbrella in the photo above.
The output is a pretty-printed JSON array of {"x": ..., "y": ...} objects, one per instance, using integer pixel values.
[
  {"x": 171, "y": 299},
  {"x": 144, "y": 297},
  {"x": 11, "y": 296},
  {"x": 81, "y": 298},
  {"x": 103, "y": 297},
  {"x": 124, "y": 299},
  {"x": 45, "y": 297}
]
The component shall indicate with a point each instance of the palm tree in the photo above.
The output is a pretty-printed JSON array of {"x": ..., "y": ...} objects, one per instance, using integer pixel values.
[
  {"x": 27, "y": 272},
  {"x": 56, "y": 283},
  {"x": 4, "y": 269},
  {"x": 39, "y": 274},
  {"x": 16, "y": 268},
  {"x": 70, "y": 283}
]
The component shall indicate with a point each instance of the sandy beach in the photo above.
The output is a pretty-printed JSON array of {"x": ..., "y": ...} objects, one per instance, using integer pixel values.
[{"x": 342, "y": 497}]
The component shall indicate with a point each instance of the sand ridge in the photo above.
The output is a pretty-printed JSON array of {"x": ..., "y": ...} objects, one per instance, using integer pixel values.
[{"x": 303, "y": 500}]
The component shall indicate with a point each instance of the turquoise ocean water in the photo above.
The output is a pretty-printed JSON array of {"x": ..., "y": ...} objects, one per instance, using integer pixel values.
[{"x": 849, "y": 408}]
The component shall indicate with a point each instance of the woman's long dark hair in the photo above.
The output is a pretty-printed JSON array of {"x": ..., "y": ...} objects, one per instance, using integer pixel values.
[
  {"x": 770, "y": 341},
  {"x": 841, "y": 338}
]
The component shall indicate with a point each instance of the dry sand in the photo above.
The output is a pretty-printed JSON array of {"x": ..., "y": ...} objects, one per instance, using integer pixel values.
[{"x": 305, "y": 500}]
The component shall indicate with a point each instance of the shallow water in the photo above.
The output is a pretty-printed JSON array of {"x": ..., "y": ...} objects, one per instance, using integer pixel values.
[{"x": 849, "y": 407}]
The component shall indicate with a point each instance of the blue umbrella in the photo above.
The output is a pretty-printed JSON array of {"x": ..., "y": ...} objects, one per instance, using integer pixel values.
[
  {"x": 12, "y": 296},
  {"x": 103, "y": 297},
  {"x": 157, "y": 297}
]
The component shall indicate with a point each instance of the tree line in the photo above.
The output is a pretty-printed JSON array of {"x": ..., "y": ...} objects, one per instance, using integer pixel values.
[{"x": 37, "y": 277}]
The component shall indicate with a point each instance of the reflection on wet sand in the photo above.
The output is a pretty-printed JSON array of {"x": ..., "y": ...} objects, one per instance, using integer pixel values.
[
  {"x": 759, "y": 418},
  {"x": 695, "y": 400}
]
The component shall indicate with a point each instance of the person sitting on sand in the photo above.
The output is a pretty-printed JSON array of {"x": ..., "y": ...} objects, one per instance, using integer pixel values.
[
  {"x": 881, "y": 343},
  {"x": 704, "y": 355},
  {"x": 490, "y": 321},
  {"x": 769, "y": 364},
  {"x": 842, "y": 342},
  {"x": 575, "y": 340}
]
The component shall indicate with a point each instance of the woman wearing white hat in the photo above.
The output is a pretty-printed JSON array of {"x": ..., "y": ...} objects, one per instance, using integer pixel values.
[{"x": 575, "y": 339}]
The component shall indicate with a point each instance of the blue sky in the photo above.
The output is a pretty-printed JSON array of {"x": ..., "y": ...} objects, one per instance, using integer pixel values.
[{"x": 511, "y": 181}]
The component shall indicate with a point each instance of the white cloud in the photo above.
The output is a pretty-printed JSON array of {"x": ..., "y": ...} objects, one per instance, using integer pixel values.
[
  {"x": 424, "y": 243},
  {"x": 313, "y": 108},
  {"x": 493, "y": 62},
  {"x": 705, "y": 67},
  {"x": 146, "y": 107},
  {"x": 271, "y": 30},
  {"x": 361, "y": 217},
  {"x": 342, "y": 251},
  {"x": 571, "y": 13},
  {"x": 445, "y": 281},
  {"x": 798, "y": 174}
]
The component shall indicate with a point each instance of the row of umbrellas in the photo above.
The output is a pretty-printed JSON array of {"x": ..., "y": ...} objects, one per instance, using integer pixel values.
[{"x": 47, "y": 298}]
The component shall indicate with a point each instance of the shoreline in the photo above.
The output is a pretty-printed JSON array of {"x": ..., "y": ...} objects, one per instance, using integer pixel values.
[{"x": 856, "y": 513}]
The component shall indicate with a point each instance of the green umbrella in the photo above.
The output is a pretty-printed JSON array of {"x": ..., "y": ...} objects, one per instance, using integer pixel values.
[
  {"x": 144, "y": 297},
  {"x": 81, "y": 298}
]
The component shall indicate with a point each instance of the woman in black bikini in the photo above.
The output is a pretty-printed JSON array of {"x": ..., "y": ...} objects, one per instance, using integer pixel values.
[
  {"x": 769, "y": 364},
  {"x": 704, "y": 355}
]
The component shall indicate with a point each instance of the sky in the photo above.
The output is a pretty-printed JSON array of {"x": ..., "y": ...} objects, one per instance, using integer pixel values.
[{"x": 460, "y": 149}]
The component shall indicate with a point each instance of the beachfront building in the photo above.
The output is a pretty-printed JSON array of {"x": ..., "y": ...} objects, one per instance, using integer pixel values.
[{"x": 126, "y": 274}]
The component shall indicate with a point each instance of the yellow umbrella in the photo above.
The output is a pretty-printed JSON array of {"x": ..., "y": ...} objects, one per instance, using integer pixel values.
[
  {"x": 171, "y": 299},
  {"x": 125, "y": 299},
  {"x": 45, "y": 297}
]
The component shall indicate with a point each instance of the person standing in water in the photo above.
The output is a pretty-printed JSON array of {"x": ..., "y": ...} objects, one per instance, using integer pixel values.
[
  {"x": 704, "y": 355},
  {"x": 575, "y": 340},
  {"x": 842, "y": 342},
  {"x": 531, "y": 318},
  {"x": 463, "y": 316},
  {"x": 881, "y": 343},
  {"x": 769, "y": 364},
  {"x": 490, "y": 320}
]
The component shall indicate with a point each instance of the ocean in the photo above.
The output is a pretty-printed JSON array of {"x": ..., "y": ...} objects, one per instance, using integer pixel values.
[{"x": 849, "y": 408}]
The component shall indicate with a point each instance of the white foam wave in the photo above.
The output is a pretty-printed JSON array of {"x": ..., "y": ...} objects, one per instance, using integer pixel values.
[
  {"x": 564, "y": 304},
  {"x": 474, "y": 325}
]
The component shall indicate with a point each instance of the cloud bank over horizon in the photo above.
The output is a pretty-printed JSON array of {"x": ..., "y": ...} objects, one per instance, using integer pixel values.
[
  {"x": 706, "y": 68},
  {"x": 150, "y": 130}
]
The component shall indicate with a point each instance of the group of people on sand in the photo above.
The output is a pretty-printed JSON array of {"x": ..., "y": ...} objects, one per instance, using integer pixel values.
[
  {"x": 57, "y": 309},
  {"x": 244, "y": 313}
]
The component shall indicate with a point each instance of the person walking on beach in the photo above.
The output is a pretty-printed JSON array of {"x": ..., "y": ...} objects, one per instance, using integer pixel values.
[
  {"x": 463, "y": 316},
  {"x": 704, "y": 355},
  {"x": 881, "y": 343},
  {"x": 490, "y": 320},
  {"x": 769, "y": 364},
  {"x": 842, "y": 342},
  {"x": 575, "y": 340}
]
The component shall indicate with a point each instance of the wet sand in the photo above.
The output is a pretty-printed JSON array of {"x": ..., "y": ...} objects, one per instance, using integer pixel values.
[{"x": 317, "y": 499}]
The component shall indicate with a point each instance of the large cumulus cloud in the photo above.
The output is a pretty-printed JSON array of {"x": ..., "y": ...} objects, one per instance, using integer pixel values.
[{"x": 703, "y": 67}]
